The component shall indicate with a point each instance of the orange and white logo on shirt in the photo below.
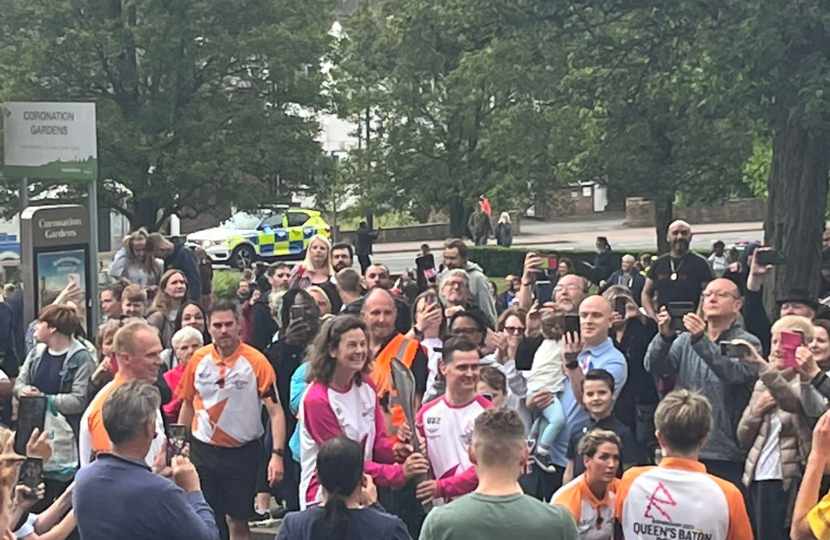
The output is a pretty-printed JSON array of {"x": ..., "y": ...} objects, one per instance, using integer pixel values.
[
  {"x": 678, "y": 500},
  {"x": 227, "y": 394},
  {"x": 594, "y": 517}
]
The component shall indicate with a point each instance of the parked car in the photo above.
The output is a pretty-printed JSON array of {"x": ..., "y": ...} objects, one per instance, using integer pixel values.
[{"x": 266, "y": 234}]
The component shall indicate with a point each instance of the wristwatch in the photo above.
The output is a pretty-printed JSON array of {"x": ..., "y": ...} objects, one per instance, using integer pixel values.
[
  {"x": 572, "y": 365},
  {"x": 278, "y": 452}
]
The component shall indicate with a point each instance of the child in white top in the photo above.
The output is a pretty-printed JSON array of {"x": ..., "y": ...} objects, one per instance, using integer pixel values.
[{"x": 547, "y": 373}]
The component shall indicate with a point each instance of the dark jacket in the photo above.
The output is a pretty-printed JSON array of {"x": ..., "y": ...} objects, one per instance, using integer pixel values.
[
  {"x": 8, "y": 349},
  {"x": 363, "y": 238},
  {"x": 184, "y": 260},
  {"x": 634, "y": 281},
  {"x": 503, "y": 301},
  {"x": 603, "y": 265},
  {"x": 640, "y": 390},
  {"x": 479, "y": 224},
  {"x": 504, "y": 234},
  {"x": 263, "y": 325},
  {"x": 372, "y": 522},
  {"x": 756, "y": 321}
]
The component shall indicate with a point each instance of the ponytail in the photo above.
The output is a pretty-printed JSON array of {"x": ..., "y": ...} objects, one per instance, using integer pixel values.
[{"x": 337, "y": 517}]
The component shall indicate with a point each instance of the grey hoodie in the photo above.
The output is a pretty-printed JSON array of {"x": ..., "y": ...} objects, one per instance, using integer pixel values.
[
  {"x": 75, "y": 385},
  {"x": 481, "y": 294},
  {"x": 726, "y": 382}
]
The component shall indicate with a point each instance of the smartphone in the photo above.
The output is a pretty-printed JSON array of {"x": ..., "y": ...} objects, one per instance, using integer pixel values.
[
  {"x": 572, "y": 324},
  {"x": 734, "y": 351},
  {"x": 74, "y": 278},
  {"x": 770, "y": 257},
  {"x": 678, "y": 310},
  {"x": 31, "y": 476},
  {"x": 31, "y": 414},
  {"x": 790, "y": 341},
  {"x": 430, "y": 298},
  {"x": 544, "y": 291},
  {"x": 548, "y": 262},
  {"x": 176, "y": 435},
  {"x": 621, "y": 305},
  {"x": 297, "y": 313}
]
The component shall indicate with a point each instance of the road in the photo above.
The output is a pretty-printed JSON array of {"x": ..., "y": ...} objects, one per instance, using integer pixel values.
[{"x": 580, "y": 233}]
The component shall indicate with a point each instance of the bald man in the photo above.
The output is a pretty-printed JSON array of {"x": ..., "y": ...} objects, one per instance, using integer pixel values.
[
  {"x": 694, "y": 356},
  {"x": 595, "y": 350},
  {"x": 677, "y": 276}
]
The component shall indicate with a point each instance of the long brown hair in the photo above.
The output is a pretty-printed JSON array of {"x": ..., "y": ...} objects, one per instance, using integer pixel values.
[
  {"x": 163, "y": 301},
  {"x": 321, "y": 363}
]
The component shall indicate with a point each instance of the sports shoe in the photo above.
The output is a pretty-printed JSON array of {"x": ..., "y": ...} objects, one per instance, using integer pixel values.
[{"x": 544, "y": 462}]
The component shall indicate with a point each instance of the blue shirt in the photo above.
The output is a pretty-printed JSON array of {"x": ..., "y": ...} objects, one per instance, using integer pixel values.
[
  {"x": 121, "y": 498},
  {"x": 604, "y": 356}
]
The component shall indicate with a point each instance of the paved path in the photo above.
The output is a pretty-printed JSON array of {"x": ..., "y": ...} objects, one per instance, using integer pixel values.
[{"x": 578, "y": 234}]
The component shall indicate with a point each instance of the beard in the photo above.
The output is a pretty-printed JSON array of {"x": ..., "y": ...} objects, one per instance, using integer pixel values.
[
  {"x": 339, "y": 265},
  {"x": 680, "y": 245}
]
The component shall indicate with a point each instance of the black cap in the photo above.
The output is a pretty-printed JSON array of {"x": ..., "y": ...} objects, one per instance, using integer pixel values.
[{"x": 799, "y": 296}]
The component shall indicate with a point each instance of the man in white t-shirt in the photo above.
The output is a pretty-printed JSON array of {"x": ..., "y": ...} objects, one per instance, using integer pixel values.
[{"x": 447, "y": 424}]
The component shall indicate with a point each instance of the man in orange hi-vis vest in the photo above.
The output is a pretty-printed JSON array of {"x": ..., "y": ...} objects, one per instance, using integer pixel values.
[
  {"x": 379, "y": 314},
  {"x": 677, "y": 498}
]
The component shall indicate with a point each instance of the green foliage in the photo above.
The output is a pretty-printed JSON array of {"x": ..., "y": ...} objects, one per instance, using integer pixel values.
[
  {"x": 225, "y": 284},
  {"x": 199, "y": 103}
]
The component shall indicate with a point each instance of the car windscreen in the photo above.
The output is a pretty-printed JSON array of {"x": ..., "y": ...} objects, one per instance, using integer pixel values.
[{"x": 241, "y": 221}]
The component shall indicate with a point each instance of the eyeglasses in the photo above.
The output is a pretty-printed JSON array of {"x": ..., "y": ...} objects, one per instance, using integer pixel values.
[
  {"x": 514, "y": 329},
  {"x": 718, "y": 294},
  {"x": 466, "y": 331},
  {"x": 570, "y": 288}
]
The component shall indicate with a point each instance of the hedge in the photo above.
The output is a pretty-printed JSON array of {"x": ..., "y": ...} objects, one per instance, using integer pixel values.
[
  {"x": 500, "y": 261},
  {"x": 225, "y": 284}
]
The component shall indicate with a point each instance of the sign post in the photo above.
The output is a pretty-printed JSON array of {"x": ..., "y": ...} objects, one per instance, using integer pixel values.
[{"x": 55, "y": 141}]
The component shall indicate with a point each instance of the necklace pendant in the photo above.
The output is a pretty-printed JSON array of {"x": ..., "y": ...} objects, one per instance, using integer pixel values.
[{"x": 674, "y": 276}]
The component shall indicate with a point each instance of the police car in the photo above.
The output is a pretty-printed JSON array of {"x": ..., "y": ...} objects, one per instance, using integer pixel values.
[{"x": 248, "y": 237}]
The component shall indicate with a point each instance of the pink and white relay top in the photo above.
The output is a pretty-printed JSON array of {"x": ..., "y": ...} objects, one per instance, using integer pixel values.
[
  {"x": 327, "y": 414},
  {"x": 448, "y": 431}
]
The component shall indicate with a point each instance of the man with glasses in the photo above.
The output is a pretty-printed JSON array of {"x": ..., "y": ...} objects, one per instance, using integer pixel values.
[
  {"x": 455, "y": 292},
  {"x": 456, "y": 257},
  {"x": 695, "y": 357}
]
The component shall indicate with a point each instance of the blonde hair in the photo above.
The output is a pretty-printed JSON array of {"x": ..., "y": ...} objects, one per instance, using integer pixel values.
[
  {"x": 318, "y": 290},
  {"x": 308, "y": 265},
  {"x": 124, "y": 341},
  {"x": 592, "y": 440},
  {"x": 794, "y": 323},
  {"x": 163, "y": 301},
  {"x": 684, "y": 419},
  {"x": 149, "y": 261},
  {"x": 504, "y": 217},
  {"x": 106, "y": 331}
]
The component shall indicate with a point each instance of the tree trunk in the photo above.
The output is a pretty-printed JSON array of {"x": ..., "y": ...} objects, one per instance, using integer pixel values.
[
  {"x": 663, "y": 216},
  {"x": 458, "y": 217},
  {"x": 146, "y": 213},
  {"x": 796, "y": 208}
]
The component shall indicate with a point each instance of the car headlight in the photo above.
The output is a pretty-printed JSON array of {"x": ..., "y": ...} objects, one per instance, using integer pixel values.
[{"x": 206, "y": 244}]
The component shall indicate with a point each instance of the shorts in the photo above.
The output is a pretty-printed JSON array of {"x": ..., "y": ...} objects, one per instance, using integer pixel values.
[{"x": 228, "y": 476}]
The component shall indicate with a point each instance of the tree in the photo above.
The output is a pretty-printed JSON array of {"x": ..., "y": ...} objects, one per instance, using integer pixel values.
[{"x": 199, "y": 103}]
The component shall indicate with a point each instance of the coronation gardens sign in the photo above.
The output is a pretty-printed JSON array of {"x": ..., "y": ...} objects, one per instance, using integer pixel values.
[{"x": 55, "y": 141}]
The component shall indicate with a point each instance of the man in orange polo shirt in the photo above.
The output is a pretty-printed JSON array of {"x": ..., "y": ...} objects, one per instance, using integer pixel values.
[
  {"x": 223, "y": 390},
  {"x": 138, "y": 350},
  {"x": 677, "y": 498}
]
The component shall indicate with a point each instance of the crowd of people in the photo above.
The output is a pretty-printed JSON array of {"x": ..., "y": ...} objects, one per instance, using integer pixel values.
[{"x": 651, "y": 401}]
